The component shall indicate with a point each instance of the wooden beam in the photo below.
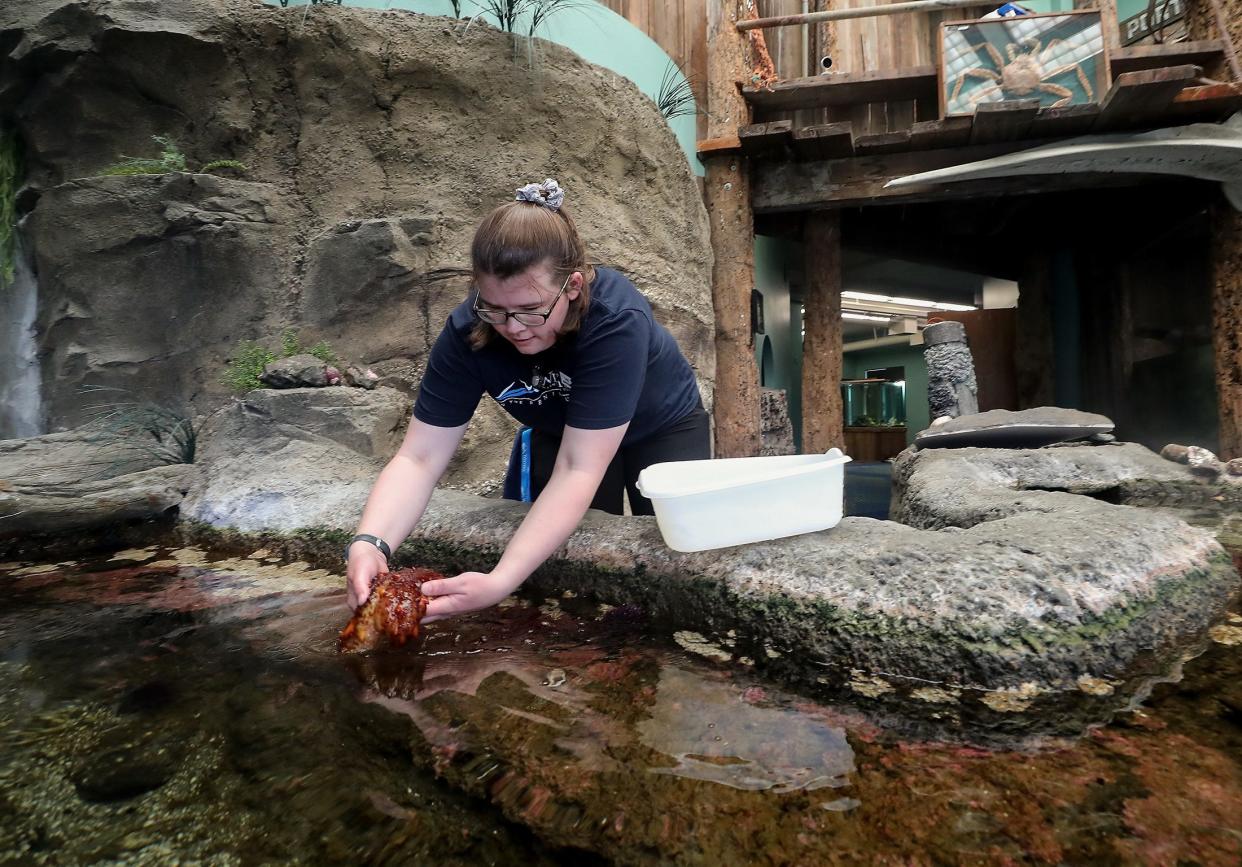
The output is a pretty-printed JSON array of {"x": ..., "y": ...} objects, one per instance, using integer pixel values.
[
  {"x": 765, "y": 138},
  {"x": 824, "y": 142},
  {"x": 822, "y": 422},
  {"x": 726, "y": 145},
  {"x": 947, "y": 133},
  {"x": 845, "y": 88},
  {"x": 1067, "y": 120},
  {"x": 1108, "y": 23},
  {"x": 726, "y": 192},
  {"x": 1009, "y": 120},
  {"x": 1205, "y": 53},
  {"x": 1226, "y": 265},
  {"x": 1226, "y": 35},
  {"x": 1139, "y": 96},
  {"x": 919, "y": 83},
  {"x": 856, "y": 12},
  {"x": 857, "y": 181},
  {"x": 882, "y": 143},
  {"x": 1207, "y": 102}
]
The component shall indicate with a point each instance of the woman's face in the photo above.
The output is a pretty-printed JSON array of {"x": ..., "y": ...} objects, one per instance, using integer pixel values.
[{"x": 535, "y": 290}]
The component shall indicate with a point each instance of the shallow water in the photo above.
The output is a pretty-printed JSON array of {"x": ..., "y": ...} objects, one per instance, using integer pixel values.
[{"x": 170, "y": 705}]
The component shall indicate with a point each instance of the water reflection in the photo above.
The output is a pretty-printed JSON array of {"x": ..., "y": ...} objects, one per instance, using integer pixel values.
[
  {"x": 190, "y": 707},
  {"x": 719, "y": 733}
]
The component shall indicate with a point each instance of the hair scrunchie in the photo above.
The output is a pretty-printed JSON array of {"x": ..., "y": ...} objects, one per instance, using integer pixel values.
[{"x": 549, "y": 194}]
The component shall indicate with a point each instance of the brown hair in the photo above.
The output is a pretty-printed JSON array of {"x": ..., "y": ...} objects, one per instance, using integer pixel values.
[{"x": 518, "y": 236}]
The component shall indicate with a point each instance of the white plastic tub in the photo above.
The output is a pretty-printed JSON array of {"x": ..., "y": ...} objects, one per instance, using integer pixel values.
[{"x": 701, "y": 505}]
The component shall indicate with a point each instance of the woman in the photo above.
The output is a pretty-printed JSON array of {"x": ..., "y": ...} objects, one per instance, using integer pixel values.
[{"x": 571, "y": 351}]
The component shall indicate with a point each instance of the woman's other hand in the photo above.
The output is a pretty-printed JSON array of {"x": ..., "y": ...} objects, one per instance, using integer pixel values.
[
  {"x": 365, "y": 562},
  {"x": 469, "y": 591}
]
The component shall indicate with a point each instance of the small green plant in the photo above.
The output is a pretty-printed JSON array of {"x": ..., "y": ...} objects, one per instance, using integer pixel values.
[
  {"x": 243, "y": 370},
  {"x": 676, "y": 95},
  {"x": 145, "y": 429},
  {"x": 10, "y": 181},
  {"x": 290, "y": 345},
  {"x": 507, "y": 13},
  {"x": 171, "y": 159},
  {"x": 541, "y": 10}
]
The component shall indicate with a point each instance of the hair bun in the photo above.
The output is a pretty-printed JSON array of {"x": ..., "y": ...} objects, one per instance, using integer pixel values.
[{"x": 548, "y": 194}]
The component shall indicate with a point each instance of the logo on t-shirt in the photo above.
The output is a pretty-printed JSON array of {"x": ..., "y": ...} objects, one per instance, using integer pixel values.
[{"x": 542, "y": 386}]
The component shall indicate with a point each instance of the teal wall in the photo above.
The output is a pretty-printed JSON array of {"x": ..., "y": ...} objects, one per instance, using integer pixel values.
[
  {"x": 911, "y": 358},
  {"x": 775, "y": 261},
  {"x": 595, "y": 32},
  {"x": 1125, "y": 8},
  {"x": 1047, "y": 5}
]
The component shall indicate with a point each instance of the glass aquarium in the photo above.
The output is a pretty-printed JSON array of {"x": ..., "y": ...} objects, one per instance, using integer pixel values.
[{"x": 873, "y": 402}]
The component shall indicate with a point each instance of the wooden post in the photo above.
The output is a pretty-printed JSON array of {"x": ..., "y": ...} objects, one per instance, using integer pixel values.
[
  {"x": 727, "y": 194},
  {"x": 1205, "y": 22},
  {"x": 1034, "y": 359},
  {"x": 1227, "y": 325},
  {"x": 822, "y": 423}
]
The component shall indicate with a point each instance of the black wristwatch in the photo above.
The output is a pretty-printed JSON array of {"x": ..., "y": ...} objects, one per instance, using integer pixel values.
[{"x": 374, "y": 540}]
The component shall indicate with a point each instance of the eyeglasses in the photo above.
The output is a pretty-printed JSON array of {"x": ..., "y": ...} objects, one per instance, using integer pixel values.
[{"x": 522, "y": 317}]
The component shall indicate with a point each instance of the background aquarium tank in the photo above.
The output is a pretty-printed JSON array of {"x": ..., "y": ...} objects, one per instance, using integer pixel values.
[{"x": 873, "y": 402}]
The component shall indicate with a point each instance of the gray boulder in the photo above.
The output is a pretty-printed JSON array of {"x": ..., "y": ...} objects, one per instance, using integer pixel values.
[
  {"x": 1010, "y": 429},
  {"x": 1040, "y": 608},
  {"x": 371, "y": 423},
  {"x": 280, "y": 460},
  {"x": 74, "y": 507},
  {"x": 84, "y": 480},
  {"x": 299, "y": 371},
  {"x": 1203, "y": 462}
]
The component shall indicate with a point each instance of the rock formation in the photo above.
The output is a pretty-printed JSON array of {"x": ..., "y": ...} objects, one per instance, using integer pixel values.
[
  {"x": 375, "y": 141},
  {"x": 1013, "y": 577}
]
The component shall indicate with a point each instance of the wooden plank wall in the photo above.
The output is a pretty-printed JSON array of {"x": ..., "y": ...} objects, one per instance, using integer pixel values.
[
  {"x": 887, "y": 42},
  {"x": 680, "y": 28},
  {"x": 859, "y": 45}
]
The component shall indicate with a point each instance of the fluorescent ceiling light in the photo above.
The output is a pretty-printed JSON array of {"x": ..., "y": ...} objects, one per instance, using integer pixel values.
[
  {"x": 905, "y": 302},
  {"x": 864, "y": 317}
]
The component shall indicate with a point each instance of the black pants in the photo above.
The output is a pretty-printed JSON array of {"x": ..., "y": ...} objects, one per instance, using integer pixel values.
[{"x": 688, "y": 439}]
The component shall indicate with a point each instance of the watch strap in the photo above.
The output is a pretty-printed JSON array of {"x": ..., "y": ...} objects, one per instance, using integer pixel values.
[{"x": 374, "y": 540}]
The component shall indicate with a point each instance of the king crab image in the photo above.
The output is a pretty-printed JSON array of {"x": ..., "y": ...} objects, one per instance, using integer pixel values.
[{"x": 1029, "y": 71}]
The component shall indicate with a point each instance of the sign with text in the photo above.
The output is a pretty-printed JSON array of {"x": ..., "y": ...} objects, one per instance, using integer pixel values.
[{"x": 1157, "y": 15}]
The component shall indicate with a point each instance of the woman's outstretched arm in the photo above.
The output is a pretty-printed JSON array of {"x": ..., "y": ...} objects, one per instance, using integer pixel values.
[
  {"x": 398, "y": 500},
  {"x": 583, "y": 458}
]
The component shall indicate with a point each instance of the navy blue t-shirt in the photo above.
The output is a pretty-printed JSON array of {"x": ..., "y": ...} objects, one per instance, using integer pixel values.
[{"x": 619, "y": 366}]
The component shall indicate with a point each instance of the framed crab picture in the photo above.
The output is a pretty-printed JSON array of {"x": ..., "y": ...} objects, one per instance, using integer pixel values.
[{"x": 1057, "y": 58}]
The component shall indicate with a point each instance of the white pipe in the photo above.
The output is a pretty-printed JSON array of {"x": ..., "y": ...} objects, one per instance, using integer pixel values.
[
  {"x": 856, "y": 12},
  {"x": 806, "y": 41}
]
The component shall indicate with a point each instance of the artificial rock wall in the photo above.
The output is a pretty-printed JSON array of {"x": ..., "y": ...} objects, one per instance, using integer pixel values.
[{"x": 374, "y": 141}]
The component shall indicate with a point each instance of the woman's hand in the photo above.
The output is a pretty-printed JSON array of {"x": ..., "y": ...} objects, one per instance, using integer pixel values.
[
  {"x": 365, "y": 562},
  {"x": 469, "y": 591}
]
